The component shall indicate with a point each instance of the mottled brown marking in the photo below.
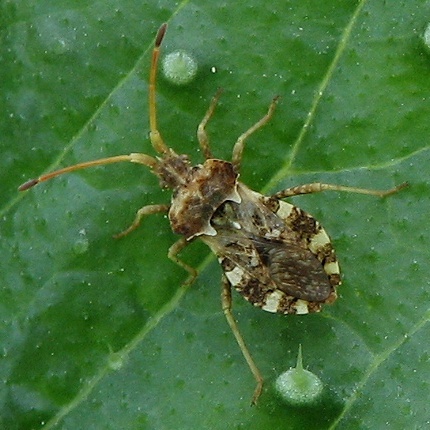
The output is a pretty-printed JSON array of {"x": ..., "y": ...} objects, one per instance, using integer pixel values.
[
  {"x": 325, "y": 254},
  {"x": 335, "y": 279},
  {"x": 271, "y": 204},
  {"x": 252, "y": 291},
  {"x": 196, "y": 200},
  {"x": 173, "y": 171},
  {"x": 298, "y": 273},
  {"x": 227, "y": 265},
  {"x": 303, "y": 224}
]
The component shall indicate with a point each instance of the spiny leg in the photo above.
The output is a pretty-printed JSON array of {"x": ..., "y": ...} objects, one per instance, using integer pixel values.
[
  {"x": 226, "y": 307},
  {"x": 201, "y": 129},
  {"x": 317, "y": 187},
  {"x": 146, "y": 210},
  {"x": 154, "y": 135},
  {"x": 174, "y": 250},
  {"x": 239, "y": 145}
]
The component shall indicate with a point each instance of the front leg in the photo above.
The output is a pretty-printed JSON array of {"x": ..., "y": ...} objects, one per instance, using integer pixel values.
[{"x": 146, "y": 210}]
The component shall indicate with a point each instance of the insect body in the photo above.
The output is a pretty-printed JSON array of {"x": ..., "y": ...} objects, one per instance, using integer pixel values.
[{"x": 276, "y": 255}]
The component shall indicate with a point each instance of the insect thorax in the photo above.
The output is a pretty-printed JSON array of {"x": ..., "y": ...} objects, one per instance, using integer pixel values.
[{"x": 204, "y": 188}]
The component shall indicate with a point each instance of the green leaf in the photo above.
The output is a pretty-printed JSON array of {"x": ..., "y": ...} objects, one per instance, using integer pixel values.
[{"x": 97, "y": 332}]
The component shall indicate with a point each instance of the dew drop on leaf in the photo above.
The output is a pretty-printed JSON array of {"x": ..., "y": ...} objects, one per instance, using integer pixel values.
[
  {"x": 81, "y": 243},
  {"x": 298, "y": 386},
  {"x": 116, "y": 360},
  {"x": 426, "y": 37},
  {"x": 179, "y": 67}
]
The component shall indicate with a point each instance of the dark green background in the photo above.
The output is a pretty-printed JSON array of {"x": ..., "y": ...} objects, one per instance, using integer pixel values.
[{"x": 104, "y": 337}]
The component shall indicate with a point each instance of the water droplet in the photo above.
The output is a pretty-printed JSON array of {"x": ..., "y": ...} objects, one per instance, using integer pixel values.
[
  {"x": 81, "y": 244},
  {"x": 179, "y": 67},
  {"x": 298, "y": 386},
  {"x": 426, "y": 37},
  {"x": 116, "y": 360}
]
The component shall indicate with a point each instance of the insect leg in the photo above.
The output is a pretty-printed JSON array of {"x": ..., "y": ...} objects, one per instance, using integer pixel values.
[
  {"x": 146, "y": 210},
  {"x": 201, "y": 129},
  {"x": 238, "y": 147},
  {"x": 226, "y": 307},
  {"x": 317, "y": 187},
  {"x": 174, "y": 250}
]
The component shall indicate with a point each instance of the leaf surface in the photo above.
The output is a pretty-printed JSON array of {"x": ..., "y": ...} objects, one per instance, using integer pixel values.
[{"x": 97, "y": 332}]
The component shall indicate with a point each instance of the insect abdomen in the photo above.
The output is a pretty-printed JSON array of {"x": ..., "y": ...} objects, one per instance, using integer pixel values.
[{"x": 274, "y": 254}]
